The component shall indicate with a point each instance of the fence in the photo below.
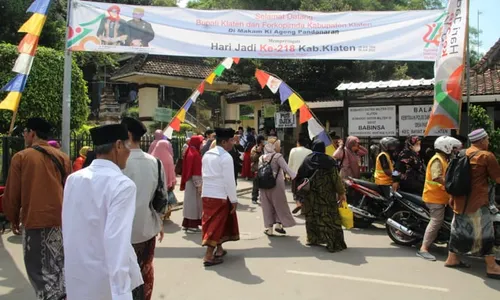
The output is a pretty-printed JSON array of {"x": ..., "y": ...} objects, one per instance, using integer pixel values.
[{"x": 10, "y": 145}]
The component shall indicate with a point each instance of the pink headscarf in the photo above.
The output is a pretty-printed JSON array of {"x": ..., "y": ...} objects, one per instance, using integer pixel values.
[
  {"x": 350, "y": 164},
  {"x": 162, "y": 152},
  {"x": 160, "y": 137}
]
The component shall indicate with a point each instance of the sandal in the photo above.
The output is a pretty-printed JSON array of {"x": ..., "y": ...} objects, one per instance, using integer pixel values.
[
  {"x": 296, "y": 210},
  {"x": 268, "y": 232},
  {"x": 213, "y": 262},
  {"x": 460, "y": 265},
  {"x": 493, "y": 276},
  {"x": 224, "y": 253}
]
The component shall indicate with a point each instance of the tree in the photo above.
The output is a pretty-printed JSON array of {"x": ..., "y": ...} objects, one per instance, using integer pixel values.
[
  {"x": 480, "y": 119},
  {"x": 43, "y": 94}
]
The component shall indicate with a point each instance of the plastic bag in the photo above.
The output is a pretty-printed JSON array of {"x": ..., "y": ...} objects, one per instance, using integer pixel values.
[{"x": 346, "y": 216}]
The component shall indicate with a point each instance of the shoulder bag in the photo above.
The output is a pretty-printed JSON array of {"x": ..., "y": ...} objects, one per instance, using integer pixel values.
[
  {"x": 160, "y": 199},
  {"x": 56, "y": 162}
]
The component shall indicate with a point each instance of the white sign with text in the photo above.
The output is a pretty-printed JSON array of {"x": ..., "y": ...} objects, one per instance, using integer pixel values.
[
  {"x": 285, "y": 120},
  {"x": 413, "y": 120},
  {"x": 372, "y": 121}
]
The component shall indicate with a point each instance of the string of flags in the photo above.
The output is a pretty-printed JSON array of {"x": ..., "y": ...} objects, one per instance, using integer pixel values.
[
  {"x": 296, "y": 104},
  {"x": 175, "y": 123},
  {"x": 27, "y": 50}
]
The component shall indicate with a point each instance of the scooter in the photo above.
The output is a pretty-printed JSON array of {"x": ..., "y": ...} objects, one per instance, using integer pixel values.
[{"x": 367, "y": 202}]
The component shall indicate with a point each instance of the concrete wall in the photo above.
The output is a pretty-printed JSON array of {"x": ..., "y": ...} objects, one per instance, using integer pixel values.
[{"x": 148, "y": 102}]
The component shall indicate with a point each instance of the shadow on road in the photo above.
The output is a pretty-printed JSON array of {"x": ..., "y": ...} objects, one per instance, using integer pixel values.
[
  {"x": 235, "y": 268},
  {"x": 11, "y": 277}
]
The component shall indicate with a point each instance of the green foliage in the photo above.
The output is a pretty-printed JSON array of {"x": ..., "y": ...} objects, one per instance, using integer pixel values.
[
  {"x": 132, "y": 112},
  {"x": 480, "y": 119},
  {"x": 43, "y": 94}
]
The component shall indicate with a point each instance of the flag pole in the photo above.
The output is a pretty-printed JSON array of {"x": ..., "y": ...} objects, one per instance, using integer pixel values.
[
  {"x": 66, "y": 102},
  {"x": 13, "y": 121},
  {"x": 468, "y": 72}
]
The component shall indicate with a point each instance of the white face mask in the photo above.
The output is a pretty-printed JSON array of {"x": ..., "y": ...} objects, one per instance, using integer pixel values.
[{"x": 416, "y": 148}]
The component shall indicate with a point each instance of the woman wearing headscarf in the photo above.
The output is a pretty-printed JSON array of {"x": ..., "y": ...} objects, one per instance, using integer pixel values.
[
  {"x": 273, "y": 201},
  {"x": 248, "y": 143},
  {"x": 80, "y": 160},
  {"x": 348, "y": 157},
  {"x": 162, "y": 153},
  {"x": 410, "y": 167},
  {"x": 321, "y": 202},
  {"x": 191, "y": 183},
  {"x": 160, "y": 137}
]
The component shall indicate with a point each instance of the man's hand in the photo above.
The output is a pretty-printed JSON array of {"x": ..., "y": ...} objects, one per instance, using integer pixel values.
[
  {"x": 14, "y": 226},
  {"x": 161, "y": 235},
  {"x": 233, "y": 207}
]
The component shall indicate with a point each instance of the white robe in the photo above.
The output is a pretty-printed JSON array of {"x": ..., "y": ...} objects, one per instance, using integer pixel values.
[{"x": 98, "y": 211}]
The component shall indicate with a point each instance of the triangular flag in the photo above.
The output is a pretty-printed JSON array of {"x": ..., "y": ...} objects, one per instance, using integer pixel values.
[
  {"x": 218, "y": 71},
  {"x": 305, "y": 114},
  {"x": 273, "y": 84},
  {"x": 227, "y": 63},
  {"x": 34, "y": 24},
  {"x": 195, "y": 95},
  {"x": 28, "y": 44},
  {"x": 168, "y": 132},
  {"x": 330, "y": 150},
  {"x": 285, "y": 92},
  {"x": 175, "y": 124},
  {"x": 181, "y": 115},
  {"x": 188, "y": 104},
  {"x": 314, "y": 128},
  {"x": 11, "y": 102},
  {"x": 210, "y": 78},
  {"x": 201, "y": 87},
  {"x": 295, "y": 102},
  {"x": 39, "y": 6},
  {"x": 23, "y": 64},
  {"x": 17, "y": 84},
  {"x": 262, "y": 77},
  {"x": 236, "y": 60},
  {"x": 323, "y": 136}
]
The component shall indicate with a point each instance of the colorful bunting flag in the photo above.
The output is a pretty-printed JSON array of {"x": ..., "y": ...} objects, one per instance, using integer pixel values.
[
  {"x": 210, "y": 79},
  {"x": 323, "y": 136},
  {"x": 285, "y": 92},
  {"x": 11, "y": 102},
  {"x": 168, "y": 132},
  {"x": 181, "y": 115},
  {"x": 218, "y": 71},
  {"x": 34, "y": 24},
  {"x": 262, "y": 77},
  {"x": 201, "y": 88},
  {"x": 17, "y": 84},
  {"x": 39, "y": 6},
  {"x": 188, "y": 104},
  {"x": 175, "y": 124},
  {"x": 330, "y": 150},
  {"x": 273, "y": 84},
  {"x": 236, "y": 60},
  {"x": 28, "y": 44},
  {"x": 194, "y": 96},
  {"x": 314, "y": 128},
  {"x": 295, "y": 102},
  {"x": 23, "y": 64},
  {"x": 305, "y": 114},
  {"x": 227, "y": 63}
]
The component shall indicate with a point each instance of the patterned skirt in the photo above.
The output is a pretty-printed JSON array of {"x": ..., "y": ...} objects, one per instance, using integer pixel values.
[
  {"x": 218, "y": 224},
  {"x": 145, "y": 253}
]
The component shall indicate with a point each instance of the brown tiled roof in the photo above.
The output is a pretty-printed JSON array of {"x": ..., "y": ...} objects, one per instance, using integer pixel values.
[
  {"x": 485, "y": 83},
  {"x": 166, "y": 65},
  {"x": 250, "y": 95},
  {"x": 491, "y": 58}
]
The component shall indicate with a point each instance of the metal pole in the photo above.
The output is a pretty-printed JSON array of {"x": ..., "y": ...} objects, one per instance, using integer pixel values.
[
  {"x": 66, "y": 102},
  {"x": 467, "y": 70}
]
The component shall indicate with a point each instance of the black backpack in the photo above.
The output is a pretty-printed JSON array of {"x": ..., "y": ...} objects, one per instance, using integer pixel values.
[
  {"x": 265, "y": 175},
  {"x": 458, "y": 179}
]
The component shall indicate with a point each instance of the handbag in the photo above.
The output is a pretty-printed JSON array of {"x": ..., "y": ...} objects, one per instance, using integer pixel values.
[
  {"x": 160, "y": 200},
  {"x": 346, "y": 216},
  {"x": 171, "y": 199},
  {"x": 178, "y": 167},
  {"x": 58, "y": 164},
  {"x": 305, "y": 186},
  {"x": 265, "y": 175}
]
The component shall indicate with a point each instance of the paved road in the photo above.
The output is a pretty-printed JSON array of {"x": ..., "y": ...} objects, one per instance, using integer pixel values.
[{"x": 259, "y": 267}]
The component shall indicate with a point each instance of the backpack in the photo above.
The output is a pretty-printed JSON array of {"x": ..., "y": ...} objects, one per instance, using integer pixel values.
[
  {"x": 265, "y": 175},
  {"x": 458, "y": 177}
]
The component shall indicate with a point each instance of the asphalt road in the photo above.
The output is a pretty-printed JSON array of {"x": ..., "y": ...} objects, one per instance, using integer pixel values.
[{"x": 261, "y": 267}]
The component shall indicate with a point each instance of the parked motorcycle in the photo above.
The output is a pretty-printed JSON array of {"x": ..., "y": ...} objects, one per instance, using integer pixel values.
[{"x": 367, "y": 202}]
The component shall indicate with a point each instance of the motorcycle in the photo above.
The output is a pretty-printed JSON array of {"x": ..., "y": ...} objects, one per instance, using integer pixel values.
[{"x": 367, "y": 202}]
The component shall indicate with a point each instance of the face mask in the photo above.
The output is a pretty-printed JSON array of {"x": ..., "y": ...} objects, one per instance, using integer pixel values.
[{"x": 416, "y": 148}]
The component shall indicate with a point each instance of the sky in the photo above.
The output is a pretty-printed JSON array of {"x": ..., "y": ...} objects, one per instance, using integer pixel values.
[{"x": 490, "y": 10}]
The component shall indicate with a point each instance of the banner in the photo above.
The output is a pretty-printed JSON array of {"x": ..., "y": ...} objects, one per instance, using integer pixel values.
[
  {"x": 449, "y": 68},
  {"x": 374, "y": 121},
  {"x": 353, "y": 35},
  {"x": 413, "y": 119}
]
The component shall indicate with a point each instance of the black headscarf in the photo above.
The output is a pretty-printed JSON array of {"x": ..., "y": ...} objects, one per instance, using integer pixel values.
[{"x": 317, "y": 160}]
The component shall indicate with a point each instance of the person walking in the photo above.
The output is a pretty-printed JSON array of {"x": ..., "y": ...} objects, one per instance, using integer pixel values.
[
  {"x": 191, "y": 183},
  {"x": 248, "y": 144},
  {"x": 321, "y": 203},
  {"x": 162, "y": 152},
  {"x": 472, "y": 231},
  {"x": 411, "y": 167},
  {"x": 348, "y": 157},
  {"x": 220, "y": 222},
  {"x": 97, "y": 217},
  {"x": 255, "y": 154},
  {"x": 273, "y": 201},
  {"x": 34, "y": 197},
  {"x": 295, "y": 160},
  {"x": 434, "y": 195},
  {"x": 235, "y": 154},
  {"x": 80, "y": 160},
  {"x": 142, "y": 169},
  {"x": 384, "y": 166}
]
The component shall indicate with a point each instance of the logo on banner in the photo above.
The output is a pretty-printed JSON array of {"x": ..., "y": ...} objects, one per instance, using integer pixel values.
[{"x": 434, "y": 32}]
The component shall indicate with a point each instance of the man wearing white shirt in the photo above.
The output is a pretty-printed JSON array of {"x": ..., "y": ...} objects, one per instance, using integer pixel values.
[
  {"x": 142, "y": 169},
  {"x": 219, "y": 220},
  {"x": 98, "y": 210},
  {"x": 295, "y": 160}
]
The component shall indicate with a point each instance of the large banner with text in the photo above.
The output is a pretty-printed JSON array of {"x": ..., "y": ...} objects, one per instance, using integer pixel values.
[{"x": 388, "y": 35}]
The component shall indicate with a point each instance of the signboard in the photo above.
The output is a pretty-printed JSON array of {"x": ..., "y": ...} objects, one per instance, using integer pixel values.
[
  {"x": 285, "y": 119},
  {"x": 354, "y": 35},
  {"x": 372, "y": 121},
  {"x": 413, "y": 120},
  {"x": 163, "y": 114}
]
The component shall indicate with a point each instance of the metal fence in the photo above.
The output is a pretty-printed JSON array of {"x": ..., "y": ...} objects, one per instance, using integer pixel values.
[{"x": 10, "y": 145}]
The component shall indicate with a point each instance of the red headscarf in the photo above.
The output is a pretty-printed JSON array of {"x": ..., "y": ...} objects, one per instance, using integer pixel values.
[
  {"x": 191, "y": 164},
  {"x": 115, "y": 8}
]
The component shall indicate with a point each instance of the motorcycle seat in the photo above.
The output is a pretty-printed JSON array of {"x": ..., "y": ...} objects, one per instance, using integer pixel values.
[
  {"x": 415, "y": 199},
  {"x": 367, "y": 184}
]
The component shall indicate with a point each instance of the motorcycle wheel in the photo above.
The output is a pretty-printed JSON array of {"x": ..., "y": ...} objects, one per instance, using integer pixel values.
[{"x": 397, "y": 236}]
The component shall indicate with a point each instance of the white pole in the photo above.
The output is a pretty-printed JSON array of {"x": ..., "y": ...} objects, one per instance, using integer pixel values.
[
  {"x": 467, "y": 74},
  {"x": 66, "y": 101}
]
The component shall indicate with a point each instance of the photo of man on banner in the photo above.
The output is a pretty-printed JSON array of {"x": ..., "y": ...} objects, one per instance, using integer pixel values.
[
  {"x": 140, "y": 31},
  {"x": 113, "y": 30}
]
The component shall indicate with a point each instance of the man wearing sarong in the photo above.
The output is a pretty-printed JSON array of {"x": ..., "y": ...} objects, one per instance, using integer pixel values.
[
  {"x": 98, "y": 212},
  {"x": 219, "y": 220},
  {"x": 142, "y": 169},
  {"x": 472, "y": 230},
  {"x": 34, "y": 197}
]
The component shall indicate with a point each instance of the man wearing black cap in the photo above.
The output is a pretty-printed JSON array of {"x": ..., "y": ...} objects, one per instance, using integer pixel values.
[
  {"x": 219, "y": 220},
  {"x": 142, "y": 169},
  {"x": 98, "y": 211},
  {"x": 35, "y": 185}
]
